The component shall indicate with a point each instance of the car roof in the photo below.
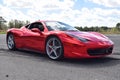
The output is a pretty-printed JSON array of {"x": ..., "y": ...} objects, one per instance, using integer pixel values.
[{"x": 43, "y": 20}]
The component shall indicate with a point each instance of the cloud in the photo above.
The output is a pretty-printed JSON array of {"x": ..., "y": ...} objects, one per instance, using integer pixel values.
[
  {"x": 60, "y": 10},
  {"x": 88, "y": 17},
  {"x": 38, "y": 4},
  {"x": 9, "y": 14},
  {"x": 107, "y": 3},
  {"x": 18, "y": 3},
  {"x": 41, "y": 8},
  {"x": 98, "y": 17}
]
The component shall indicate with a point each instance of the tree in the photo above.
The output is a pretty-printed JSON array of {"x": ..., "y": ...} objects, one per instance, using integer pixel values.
[
  {"x": 11, "y": 24},
  {"x": 118, "y": 26},
  {"x": 2, "y": 20},
  {"x": 79, "y": 28},
  {"x": 17, "y": 23},
  {"x": 27, "y": 22}
]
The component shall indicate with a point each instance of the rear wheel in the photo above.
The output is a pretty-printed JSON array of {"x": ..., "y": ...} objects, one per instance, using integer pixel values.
[
  {"x": 54, "y": 48},
  {"x": 11, "y": 42}
]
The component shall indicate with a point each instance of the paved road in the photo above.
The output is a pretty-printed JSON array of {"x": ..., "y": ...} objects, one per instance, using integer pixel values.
[{"x": 23, "y": 65}]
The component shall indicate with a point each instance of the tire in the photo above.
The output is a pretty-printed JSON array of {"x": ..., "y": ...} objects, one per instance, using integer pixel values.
[
  {"x": 54, "y": 48},
  {"x": 11, "y": 42}
]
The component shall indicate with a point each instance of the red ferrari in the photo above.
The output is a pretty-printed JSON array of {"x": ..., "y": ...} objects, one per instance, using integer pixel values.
[{"x": 58, "y": 40}]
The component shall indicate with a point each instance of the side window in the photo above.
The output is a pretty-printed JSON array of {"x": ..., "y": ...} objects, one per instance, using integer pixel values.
[
  {"x": 27, "y": 25},
  {"x": 36, "y": 25}
]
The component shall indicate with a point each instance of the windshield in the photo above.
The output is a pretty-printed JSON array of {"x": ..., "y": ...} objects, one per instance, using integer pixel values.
[{"x": 54, "y": 25}]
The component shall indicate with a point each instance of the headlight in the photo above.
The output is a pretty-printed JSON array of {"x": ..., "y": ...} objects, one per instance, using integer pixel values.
[{"x": 79, "y": 38}]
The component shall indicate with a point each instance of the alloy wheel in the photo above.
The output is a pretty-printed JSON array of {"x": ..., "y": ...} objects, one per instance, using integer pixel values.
[
  {"x": 54, "y": 48},
  {"x": 10, "y": 42}
]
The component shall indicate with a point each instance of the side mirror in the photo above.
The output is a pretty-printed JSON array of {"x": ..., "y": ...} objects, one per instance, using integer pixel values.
[{"x": 35, "y": 30}]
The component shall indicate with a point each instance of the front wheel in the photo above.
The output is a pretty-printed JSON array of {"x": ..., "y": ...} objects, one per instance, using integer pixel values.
[
  {"x": 11, "y": 42},
  {"x": 54, "y": 48}
]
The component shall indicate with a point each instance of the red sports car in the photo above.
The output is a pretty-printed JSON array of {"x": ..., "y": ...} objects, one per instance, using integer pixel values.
[{"x": 58, "y": 40}]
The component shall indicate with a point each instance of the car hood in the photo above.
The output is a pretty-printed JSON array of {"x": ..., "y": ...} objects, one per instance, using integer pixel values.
[{"x": 88, "y": 35}]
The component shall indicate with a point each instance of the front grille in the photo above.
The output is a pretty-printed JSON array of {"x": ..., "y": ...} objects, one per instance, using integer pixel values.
[{"x": 101, "y": 51}]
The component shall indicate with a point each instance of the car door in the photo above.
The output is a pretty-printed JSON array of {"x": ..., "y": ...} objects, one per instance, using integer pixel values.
[{"x": 34, "y": 40}]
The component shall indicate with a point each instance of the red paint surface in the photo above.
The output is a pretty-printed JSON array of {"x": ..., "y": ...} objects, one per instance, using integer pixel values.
[{"x": 73, "y": 48}]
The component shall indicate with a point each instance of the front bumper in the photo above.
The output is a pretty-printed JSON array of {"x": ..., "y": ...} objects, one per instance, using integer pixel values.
[
  {"x": 100, "y": 51},
  {"x": 87, "y": 50}
]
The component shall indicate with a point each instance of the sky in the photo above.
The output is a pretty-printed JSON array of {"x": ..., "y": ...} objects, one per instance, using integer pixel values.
[{"x": 73, "y": 12}]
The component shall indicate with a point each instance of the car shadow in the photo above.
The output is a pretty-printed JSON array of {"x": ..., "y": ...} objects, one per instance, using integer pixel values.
[
  {"x": 85, "y": 63},
  {"x": 92, "y": 62}
]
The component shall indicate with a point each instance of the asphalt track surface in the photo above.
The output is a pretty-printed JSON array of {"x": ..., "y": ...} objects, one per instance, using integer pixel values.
[{"x": 24, "y": 65}]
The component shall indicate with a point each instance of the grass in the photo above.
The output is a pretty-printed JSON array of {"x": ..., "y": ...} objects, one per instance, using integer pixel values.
[
  {"x": 111, "y": 31},
  {"x": 2, "y": 31}
]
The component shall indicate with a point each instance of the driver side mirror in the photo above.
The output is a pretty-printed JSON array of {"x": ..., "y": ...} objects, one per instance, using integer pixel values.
[{"x": 35, "y": 30}]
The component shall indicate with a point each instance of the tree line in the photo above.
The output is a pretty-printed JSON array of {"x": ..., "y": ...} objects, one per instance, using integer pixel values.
[
  {"x": 101, "y": 29},
  {"x": 18, "y": 23},
  {"x": 4, "y": 25}
]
